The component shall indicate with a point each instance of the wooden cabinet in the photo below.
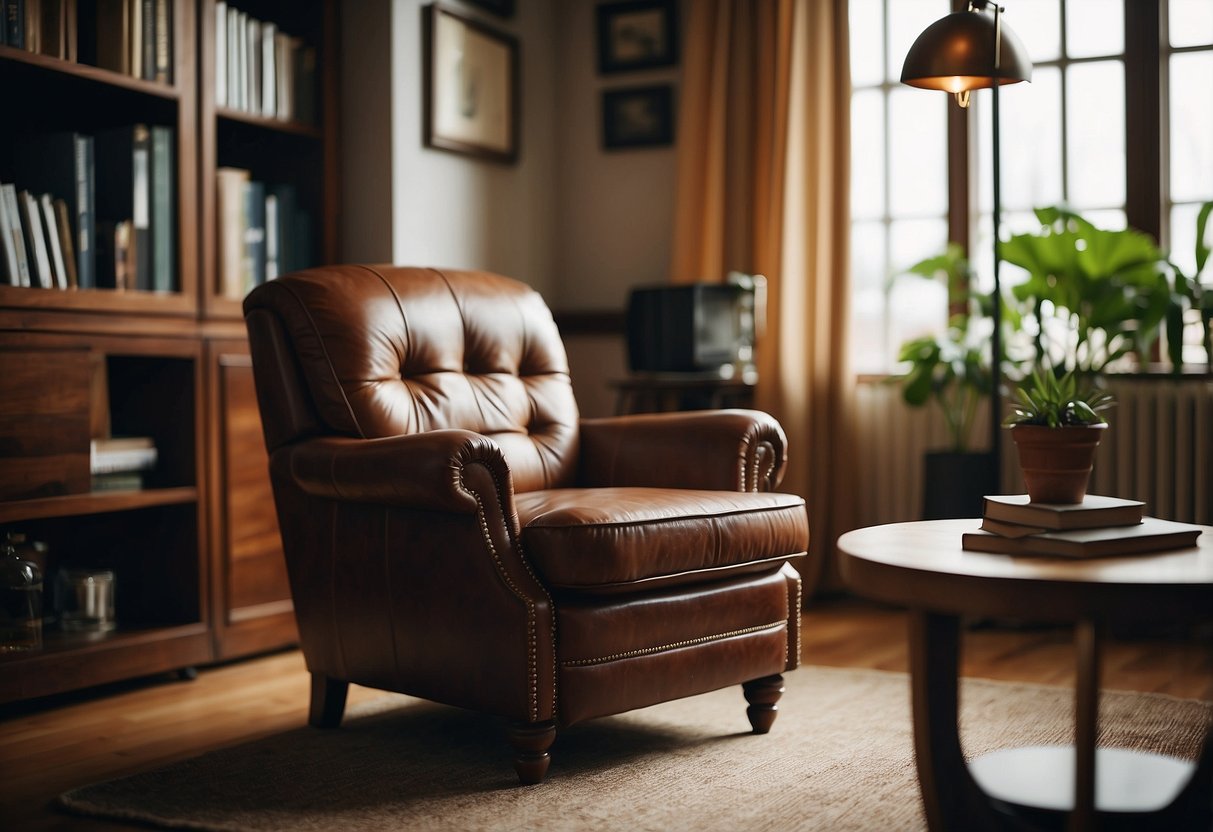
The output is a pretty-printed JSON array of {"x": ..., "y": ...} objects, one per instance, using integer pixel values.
[
  {"x": 251, "y": 599},
  {"x": 157, "y": 351}
]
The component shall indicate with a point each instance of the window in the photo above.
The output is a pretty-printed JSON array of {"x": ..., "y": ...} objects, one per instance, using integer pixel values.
[
  {"x": 899, "y": 182},
  {"x": 1093, "y": 130}
]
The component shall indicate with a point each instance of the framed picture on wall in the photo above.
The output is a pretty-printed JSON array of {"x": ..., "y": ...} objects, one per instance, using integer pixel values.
[
  {"x": 638, "y": 117},
  {"x": 470, "y": 83},
  {"x": 501, "y": 8},
  {"x": 636, "y": 34}
]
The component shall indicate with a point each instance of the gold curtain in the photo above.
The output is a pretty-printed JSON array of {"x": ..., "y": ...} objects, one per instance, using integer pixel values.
[{"x": 763, "y": 188}]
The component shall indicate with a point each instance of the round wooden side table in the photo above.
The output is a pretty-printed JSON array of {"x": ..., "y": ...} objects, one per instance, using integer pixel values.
[{"x": 921, "y": 566}]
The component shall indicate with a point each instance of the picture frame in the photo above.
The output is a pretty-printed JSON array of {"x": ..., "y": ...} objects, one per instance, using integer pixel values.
[
  {"x": 470, "y": 83},
  {"x": 638, "y": 117},
  {"x": 637, "y": 34},
  {"x": 501, "y": 8}
]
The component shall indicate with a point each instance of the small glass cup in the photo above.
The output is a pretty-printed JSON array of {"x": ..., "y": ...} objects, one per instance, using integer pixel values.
[{"x": 84, "y": 599}]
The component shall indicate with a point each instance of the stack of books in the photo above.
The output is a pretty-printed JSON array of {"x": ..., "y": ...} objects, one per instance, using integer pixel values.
[
  {"x": 1098, "y": 526},
  {"x": 118, "y": 463}
]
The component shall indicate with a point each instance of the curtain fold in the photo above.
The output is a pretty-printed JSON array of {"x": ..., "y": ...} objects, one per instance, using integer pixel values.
[{"x": 763, "y": 188}]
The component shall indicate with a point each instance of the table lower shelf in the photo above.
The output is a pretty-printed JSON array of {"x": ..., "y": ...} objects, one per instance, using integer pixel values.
[{"x": 1042, "y": 777}]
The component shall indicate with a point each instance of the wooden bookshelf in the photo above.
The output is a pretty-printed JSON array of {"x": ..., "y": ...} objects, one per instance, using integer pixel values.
[{"x": 195, "y": 549}]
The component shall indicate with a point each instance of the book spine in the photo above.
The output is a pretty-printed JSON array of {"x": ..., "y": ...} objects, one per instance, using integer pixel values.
[
  {"x": 305, "y": 84},
  {"x": 86, "y": 254},
  {"x": 52, "y": 240},
  {"x": 33, "y": 25},
  {"x": 269, "y": 78},
  {"x": 273, "y": 237},
  {"x": 40, "y": 273},
  {"x": 135, "y": 37},
  {"x": 141, "y": 208},
  {"x": 221, "y": 54},
  {"x": 11, "y": 277},
  {"x": 14, "y": 23},
  {"x": 9, "y": 193},
  {"x": 148, "y": 37},
  {"x": 253, "y": 47},
  {"x": 254, "y": 235},
  {"x": 162, "y": 231},
  {"x": 65, "y": 243}
]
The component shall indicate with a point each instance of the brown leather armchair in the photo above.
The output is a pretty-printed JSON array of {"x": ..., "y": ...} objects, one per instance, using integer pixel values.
[{"x": 453, "y": 531}]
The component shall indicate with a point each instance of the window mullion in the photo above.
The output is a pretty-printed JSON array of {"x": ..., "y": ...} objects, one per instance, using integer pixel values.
[{"x": 1145, "y": 130}]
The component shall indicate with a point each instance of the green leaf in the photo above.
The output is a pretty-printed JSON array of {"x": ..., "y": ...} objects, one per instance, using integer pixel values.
[{"x": 1202, "y": 250}]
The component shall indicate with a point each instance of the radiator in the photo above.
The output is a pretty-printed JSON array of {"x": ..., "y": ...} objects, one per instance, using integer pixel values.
[{"x": 1159, "y": 449}]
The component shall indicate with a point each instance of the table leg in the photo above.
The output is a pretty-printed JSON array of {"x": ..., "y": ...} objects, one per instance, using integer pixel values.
[
  {"x": 952, "y": 799},
  {"x": 1086, "y": 724}
]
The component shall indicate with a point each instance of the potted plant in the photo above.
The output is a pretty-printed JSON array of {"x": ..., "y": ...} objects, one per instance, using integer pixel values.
[
  {"x": 951, "y": 370},
  {"x": 1098, "y": 295},
  {"x": 1056, "y": 425}
]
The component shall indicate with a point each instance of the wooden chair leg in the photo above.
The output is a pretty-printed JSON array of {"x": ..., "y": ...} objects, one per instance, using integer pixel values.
[
  {"x": 328, "y": 701},
  {"x": 762, "y": 694},
  {"x": 531, "y": 742}
]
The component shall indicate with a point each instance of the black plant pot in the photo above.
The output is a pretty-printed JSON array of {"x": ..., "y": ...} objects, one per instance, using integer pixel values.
[{"x": 954, "y": 483}]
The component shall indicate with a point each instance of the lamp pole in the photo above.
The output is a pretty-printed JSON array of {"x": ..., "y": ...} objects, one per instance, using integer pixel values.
[{"x": 957, "y": 54}]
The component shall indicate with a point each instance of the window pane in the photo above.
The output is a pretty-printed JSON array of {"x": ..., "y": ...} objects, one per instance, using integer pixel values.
[
  {"x": 907, "y": 19},
  {"x": 1183, "y": 237},
  {"x": 1095, "y": 121},
  {"x": 914, "y": 240},
  {"x": 918, "y": 152},
  {"x": 868, "y": 298},
  {"x": 1038, "y": 26},
  {"x": 1031, "y": 144},
  {"x": 1191, "y": 126},
  {"x": 1191, "y": 22},
  {"x": 917, "y": 307},
  {"x": 867, "y": 154},
  {"x": 867, "y": 43},
  {"x": 1094, "y": 28}
]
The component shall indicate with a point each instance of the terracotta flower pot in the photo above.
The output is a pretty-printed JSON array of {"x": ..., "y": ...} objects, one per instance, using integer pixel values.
[{"x": 1056, "y": 462}]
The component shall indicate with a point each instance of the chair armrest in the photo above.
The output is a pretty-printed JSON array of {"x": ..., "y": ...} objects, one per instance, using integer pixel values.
[
  {"x": 421, "y": 471},
  {"x": 727, "y": 450}
]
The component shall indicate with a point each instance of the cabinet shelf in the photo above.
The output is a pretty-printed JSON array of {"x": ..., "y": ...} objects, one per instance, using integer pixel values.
[
  {"x": 97, "y": 502},
  {"x": 94, "y": 75},
  {"x": 98, "y": 300},
  {"x": 294, "y": 128}
]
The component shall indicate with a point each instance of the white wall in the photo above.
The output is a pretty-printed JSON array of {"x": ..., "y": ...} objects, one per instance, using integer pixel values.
[
  {"x": 580, "y": 224},
  {"x": 615, "y": 207},
  {"x": 443, "y": 209}
]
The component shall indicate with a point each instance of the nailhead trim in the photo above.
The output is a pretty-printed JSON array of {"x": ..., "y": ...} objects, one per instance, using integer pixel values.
[
  {"x": 532, "y": 636},
  {"x": 646, "y": 651}
]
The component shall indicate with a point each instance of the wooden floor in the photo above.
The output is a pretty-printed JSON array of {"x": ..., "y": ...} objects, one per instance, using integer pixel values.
[{"x": 53, "y": 745}]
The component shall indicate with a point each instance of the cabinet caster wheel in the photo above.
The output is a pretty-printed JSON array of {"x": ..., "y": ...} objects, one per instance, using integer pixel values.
[{"x": 187, "y": 674}]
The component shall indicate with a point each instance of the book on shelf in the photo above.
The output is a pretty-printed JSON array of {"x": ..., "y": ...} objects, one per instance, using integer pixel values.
[
  {"x": 131, "y": 37},
  {"x": 61, "y": 164},
  {"x": 262, "y": 232},
  {"x": 51, "y": 223},
  {"x": 120, "y": 454},
  {"x": 118, "y": 481},
  {"x": 162, "y": 226},
  {"x": 262, "y": 70},
  {"x": 67, "y": 243},
  {"x": 35, "y": 241},
  {"x": 115, "y": 255},
  {"x": 123, "y": 195},
  {"x": 14, "y": 23},
  {"x": 1093, "y": 512},
  {"x": 16, "y": 268},
  {"x": 1151, "y": 535}
]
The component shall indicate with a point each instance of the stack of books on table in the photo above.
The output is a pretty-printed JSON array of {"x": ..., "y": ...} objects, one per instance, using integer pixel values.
[
  {"x": 1014, "y": 525},
  {"x": 118, "y": 463}
]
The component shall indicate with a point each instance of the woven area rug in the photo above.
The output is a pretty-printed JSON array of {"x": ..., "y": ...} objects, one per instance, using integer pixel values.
[{"x": 840, "y": 757}]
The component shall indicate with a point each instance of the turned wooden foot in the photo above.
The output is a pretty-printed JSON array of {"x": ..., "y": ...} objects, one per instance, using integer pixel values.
[
  {"x": 328, "y": 701},
  {"x": 531, "y": 742},
  {"x": 762, "y": 694}
]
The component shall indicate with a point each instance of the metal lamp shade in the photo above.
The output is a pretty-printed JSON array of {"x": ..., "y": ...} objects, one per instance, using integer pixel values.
[{"x": 957, "y": 53}]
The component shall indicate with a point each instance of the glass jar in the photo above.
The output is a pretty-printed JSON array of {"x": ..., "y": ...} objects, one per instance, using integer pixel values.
[{"x": 20, "y": 602}]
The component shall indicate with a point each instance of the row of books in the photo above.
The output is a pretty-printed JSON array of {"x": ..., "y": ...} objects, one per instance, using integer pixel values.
[
  {"x": 1098, "y": 526},
  {"x": 133, "y": 37},
  {"x": 262, "y": 70},
  {"x": 108, "y": 211},
  {"x": 262, "y": 231}
]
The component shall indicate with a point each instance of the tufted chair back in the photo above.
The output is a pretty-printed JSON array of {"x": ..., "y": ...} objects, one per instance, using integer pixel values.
[{"x": 418, "y": 350}]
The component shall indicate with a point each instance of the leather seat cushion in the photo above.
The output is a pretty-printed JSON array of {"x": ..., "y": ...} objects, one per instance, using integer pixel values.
[{"x": 605, "y": 539}]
